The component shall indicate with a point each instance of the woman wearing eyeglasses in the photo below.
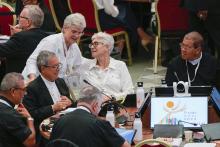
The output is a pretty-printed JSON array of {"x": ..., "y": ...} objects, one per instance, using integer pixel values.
[{"x": 105, "y": 73}]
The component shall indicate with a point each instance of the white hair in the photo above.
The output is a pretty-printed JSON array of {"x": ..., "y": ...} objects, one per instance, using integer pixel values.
[
  {"x": 106, "y": 39},
  {"x": 75, "y": 19}
]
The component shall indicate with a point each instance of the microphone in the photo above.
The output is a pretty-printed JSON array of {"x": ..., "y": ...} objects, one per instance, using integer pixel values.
[
  {"x": 110, "y": 97},
  {"x": 109, "y": 103},
  {"x": 181, "y": 121}
]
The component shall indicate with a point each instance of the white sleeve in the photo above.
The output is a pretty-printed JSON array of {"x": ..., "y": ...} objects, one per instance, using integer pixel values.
[
  {"x": 31, "y": 64},
  {"x": 110, "y": 8},
  {"x": 126, "y": 82}
]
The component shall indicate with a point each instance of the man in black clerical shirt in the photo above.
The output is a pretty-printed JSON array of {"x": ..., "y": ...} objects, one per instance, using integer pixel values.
[
  {"x": 83, "y": 128},
  {"x": 16, "y": 125},
  {"x": 193, "y": 65},
  {"x": 47, "y": 94}
]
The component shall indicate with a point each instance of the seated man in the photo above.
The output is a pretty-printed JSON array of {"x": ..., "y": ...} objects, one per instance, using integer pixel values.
[
  {"x": 83, "y": 127},
  {"x": 16, "y": 125},
  {"x": 193, "y": 65},
  {"x": 19, "y": 47},
  {"x": 47, "y": 94}
]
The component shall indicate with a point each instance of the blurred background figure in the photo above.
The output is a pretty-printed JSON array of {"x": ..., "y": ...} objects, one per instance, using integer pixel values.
[
  {"x": 48, "y": 23},
  {"x": 205, "y": 19},
  {"x": 114, "y": 14}
]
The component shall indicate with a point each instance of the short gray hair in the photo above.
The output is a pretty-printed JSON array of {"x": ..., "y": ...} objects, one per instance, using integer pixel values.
[
  {"x": 75, "y": 19},
  {"x": 35, "y": 14},
  {"x": 89, "y": 93},
  {"x": 106, "y": 39},
  {"x": 11, "y": 80},
  {"x": 197, "y": 39},
  {"x": 43, "y": 58}
]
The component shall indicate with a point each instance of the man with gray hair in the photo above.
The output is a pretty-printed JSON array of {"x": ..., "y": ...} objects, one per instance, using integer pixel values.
[
  {"x": 64, "y": 45},
  {"x": 47, "y": 94},
  {"x": 83, "y": 127},
  {"x": 193, "y": 65},
  {"x": 16, "y": 125},
  {"x": 20, "y": 45}
]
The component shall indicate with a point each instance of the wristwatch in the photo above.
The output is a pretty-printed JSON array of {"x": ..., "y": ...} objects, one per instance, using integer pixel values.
[{"x": 30, "y": 118}]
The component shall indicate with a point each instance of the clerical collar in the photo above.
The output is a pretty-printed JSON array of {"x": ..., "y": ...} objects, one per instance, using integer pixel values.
[
  {"x": 47, "y": 81},
  {"x": 6, "y": 102},
  {"x": 196, "y": 61},
  {"x": 84, "y": 108}
]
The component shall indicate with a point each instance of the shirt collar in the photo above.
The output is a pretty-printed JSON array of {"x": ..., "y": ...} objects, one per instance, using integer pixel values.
[
  {"x": 83, "y": 108},
  {"x": 196, "y": 61},
  {"x": 7, "y": 101},
  {"x": 111, "y": 64},
  {"x": 46, "y": 81}
]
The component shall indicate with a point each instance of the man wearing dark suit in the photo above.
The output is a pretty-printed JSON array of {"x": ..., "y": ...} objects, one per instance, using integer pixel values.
[
  {"x": 18, "y": 48},
  {"x": 83, "y": 127},
  {"x": 48, "y": 23},
  {"x": 47, "y": 94},
  {"x": 205, "y": 18}
]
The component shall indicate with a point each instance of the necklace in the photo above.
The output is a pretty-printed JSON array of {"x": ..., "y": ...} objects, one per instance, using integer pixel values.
[{"x": 195, "y": 73}]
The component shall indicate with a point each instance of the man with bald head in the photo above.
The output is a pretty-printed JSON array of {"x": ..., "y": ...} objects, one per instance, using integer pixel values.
[{"x": 193, "y": 65}]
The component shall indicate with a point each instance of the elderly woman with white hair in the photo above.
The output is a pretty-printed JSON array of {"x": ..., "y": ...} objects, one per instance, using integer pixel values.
[
  {"x": 64, "y": 45},
  {"x": 107, "y": 74}
]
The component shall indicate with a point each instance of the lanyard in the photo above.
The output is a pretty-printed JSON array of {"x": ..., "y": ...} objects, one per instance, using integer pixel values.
[
  {"x": 4, "y": 102},
  {"x": 195, "y": 73}
]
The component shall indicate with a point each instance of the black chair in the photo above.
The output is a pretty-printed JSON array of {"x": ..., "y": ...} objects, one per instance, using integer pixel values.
[{"x": 61, "y": 143}]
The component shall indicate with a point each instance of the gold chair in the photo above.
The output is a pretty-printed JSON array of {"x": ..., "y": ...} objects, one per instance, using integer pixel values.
[
  {"x": 152, "y": 143},
  {"x": 7, "y": 17},
  {"x": 89, "y": 10},
  {"x": 169, "y": 26}
]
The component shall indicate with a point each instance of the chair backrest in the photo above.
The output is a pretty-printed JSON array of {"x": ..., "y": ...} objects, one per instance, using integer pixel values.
[
  {"x": 7, "y": 16},
  {"x": 89, "y": 10},
  {"x": 171, "y": 16},
  {"x": 151, "y": 143},
  {"x": 59, "y": 10},
  {"x": 61, "y": 143}
]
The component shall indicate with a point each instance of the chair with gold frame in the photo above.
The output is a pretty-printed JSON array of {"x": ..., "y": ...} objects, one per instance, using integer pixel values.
[
  {"x": 59, "y": 15},
  {"x": 152, "y": 143},
  {"x": 7, "y": 17},
  {"x": 172, "y": 23},
  {"x": 89, "y": 9}
]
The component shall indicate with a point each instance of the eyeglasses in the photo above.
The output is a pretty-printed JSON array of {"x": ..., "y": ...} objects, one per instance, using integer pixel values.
[
  {"x": 57, "y": 66},
  {"x": 19, "y": 17},
  {"x": 95, "y": 44},
  {"x": 22, "y": 89},
  {"x": 186, "y": 46}
]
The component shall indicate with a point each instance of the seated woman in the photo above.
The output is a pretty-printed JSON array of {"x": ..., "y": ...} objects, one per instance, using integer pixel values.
[
  {"x": 120, "y": 14},
  {"x": 105, "y": 73}
]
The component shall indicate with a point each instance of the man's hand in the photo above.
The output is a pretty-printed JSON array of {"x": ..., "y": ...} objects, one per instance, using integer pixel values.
[
  {"x": 15, "y": 29},
  {"x": 23, "y": 111}
]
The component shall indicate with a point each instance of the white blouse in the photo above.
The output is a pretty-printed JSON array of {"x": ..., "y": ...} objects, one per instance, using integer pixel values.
[
  {"x": 108, "y": 6},
  {"x": 70, "y": 58},
  {"x": 114, "y": 81}
]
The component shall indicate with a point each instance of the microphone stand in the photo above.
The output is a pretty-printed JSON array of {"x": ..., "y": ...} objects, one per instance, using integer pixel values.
[{"x": 194, "y": 124}]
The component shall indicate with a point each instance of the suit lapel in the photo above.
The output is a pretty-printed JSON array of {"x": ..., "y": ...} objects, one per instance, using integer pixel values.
[{"x": 44, "y": 91}]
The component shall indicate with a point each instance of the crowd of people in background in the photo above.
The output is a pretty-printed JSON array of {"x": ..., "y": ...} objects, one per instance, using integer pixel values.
[{"x": 45, "y": 61}]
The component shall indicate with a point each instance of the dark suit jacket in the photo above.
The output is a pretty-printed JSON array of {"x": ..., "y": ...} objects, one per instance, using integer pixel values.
[
  {"x": 19, "y": 47},
  {"x": 48, "y": 23},
  {"x": 195, "y": 5},
  {"x": 38, "y": 100}
]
